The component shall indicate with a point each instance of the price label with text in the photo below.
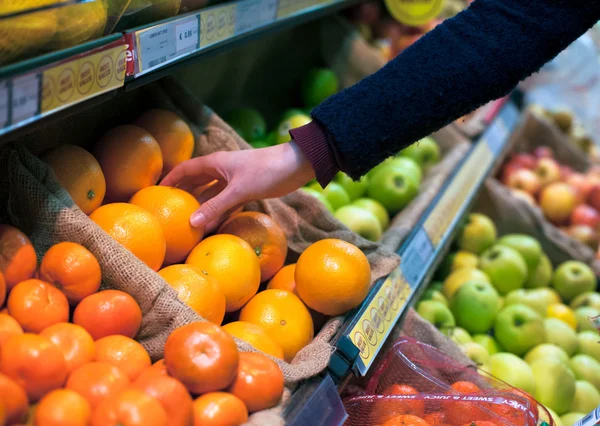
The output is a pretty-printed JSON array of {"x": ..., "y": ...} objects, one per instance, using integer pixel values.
[
  {"x": 3, "y": 104},
  {"x": 25, "y": 100},
  {"x": 252, "y": 14}
]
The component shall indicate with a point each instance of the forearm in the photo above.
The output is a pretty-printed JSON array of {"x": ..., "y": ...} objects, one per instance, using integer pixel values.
[{"x": 477, "y": 56}]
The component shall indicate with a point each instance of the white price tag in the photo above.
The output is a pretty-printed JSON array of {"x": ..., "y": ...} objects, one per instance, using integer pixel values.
[
  {"x": 252, "y": 14},
  {"x": 187, "y": 35},
  {"x": 25, "y": 97},
  {"x": 3, "y": 104}
]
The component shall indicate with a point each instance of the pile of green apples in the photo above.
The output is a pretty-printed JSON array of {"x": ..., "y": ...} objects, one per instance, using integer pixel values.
[
  {"x": 365, "y": 206},
  {"x": 518, "y": 318}
]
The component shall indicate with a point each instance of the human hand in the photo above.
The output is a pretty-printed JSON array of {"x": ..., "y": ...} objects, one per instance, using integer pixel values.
[{"x": 242, "y": 176}]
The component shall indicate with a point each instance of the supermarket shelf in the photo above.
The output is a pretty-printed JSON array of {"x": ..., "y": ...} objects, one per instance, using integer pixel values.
[{"x": 368, "y": 327}]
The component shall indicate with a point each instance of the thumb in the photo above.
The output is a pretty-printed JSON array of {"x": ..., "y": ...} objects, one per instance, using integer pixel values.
[{"x": 212, "y": 210}]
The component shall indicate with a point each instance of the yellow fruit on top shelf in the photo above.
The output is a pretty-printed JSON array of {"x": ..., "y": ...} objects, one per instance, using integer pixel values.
[
  {"x": 233, "y": 263},
  {"x": 284, "y": 317},
  {"x": 173, "y": 208},
  {"x": 256, "y": 336},
  {"x": 332, "y": 276},
  {"x": 199, "y": 291},
  {"x": 136, "y": 229},
  {"x": 78, "y": 23}
]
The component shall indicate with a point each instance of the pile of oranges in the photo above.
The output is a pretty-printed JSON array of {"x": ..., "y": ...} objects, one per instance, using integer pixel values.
[{"x": 67, "y": 349}]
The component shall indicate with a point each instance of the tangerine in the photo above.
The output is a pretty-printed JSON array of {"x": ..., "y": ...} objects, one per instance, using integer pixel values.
[
  {"x": 256, "y": 336},
  {"x": 123, "y": 352},
  {"x": 219, "y": 409},
  {"x": 74, "y": 342},
  {"x": 73, "y": 269},
  {"x": 406, "y": 420},
  {"x": 15, "y": 400},
  {"x": 130, "y": 159},
  {"x": 172, "y": 395},
  {"x": 332, "y": 276},
  {"x": 96, "y": 381},
  {"x": 63, "y": 407},
  {"x": 416, "y": 407},
  {"x": 435, "y": 419},
  {"x": 158, "y": 367},
  {"x": 136, "y": 229},
  {"x": 284, "y": 279},
  {"x": 80, "y": 174},
  {"x": 18, "y": 260},
  {"x": 199, "y": 291},
  {"x": 130, "y": 407},
  {"x": 8, "y": 328}
]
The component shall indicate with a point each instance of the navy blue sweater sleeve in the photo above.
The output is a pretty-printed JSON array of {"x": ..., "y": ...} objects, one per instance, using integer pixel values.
[{"x": 479, "y": 55}]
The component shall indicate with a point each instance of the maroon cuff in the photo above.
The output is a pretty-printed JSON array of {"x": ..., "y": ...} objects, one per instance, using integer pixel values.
[{"x": 314, "y": 143}]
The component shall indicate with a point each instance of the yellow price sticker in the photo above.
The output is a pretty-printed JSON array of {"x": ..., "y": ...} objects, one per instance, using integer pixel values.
[
  {"x": 414, "y": 12},
  {"x": 217, "y": 24}
]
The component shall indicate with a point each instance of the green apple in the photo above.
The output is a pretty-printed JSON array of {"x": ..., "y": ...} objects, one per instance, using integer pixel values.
[
  {"x": 355, "y": 189},
  {"x": 249, "y": 124},
  {"x": 436, "y": 285},
  {"x": 460, "y": 336},
  {"x": 376, "y": 208},
  {"x": 542, "y": 275},
  {"x": 570, "y": 419},
  {"x": 548, "y": 295},
  {"x": 561, "y": 334},
  {"x": 478, "y": 234},
  {"x": 513, "y": 370},
  {"x": 433, "y": 294},
  {"x": 259, "y": 144},
  {"x": 589, "y": 298},
  {"x": 436, "y": 313},
  {"x": 290, "y": 113},
  {"x": 573, "y": 278},
  {"x": 586, "y": 399},
  {"x": 519, "y": 328},
  {"x": 589, "y": 344},
  {"x": 318, "y": 85},
  {"x": 505, "y": 267},
  {"x": 528, "y": 247},
  {"x": 360, "y": 221},
  {"x": 546, "y": 351},
  {"x": 392, "y": 187},
  {"x": 408, "y": 165},
  {"x": 425, "y": 152},
  {"x": 554, "y": 384},
  {"x": 457, "y": 278},
  {"x": 477, "y": 353},
  {"x": 488, "y": 343},
  {"x": 586, "y": 368},
  {"x": 474, "y": 306},
  {"x": 583, "y": 315},
  {"x": 525, "y": 297},
  {"x": 319, "y": 196},
  {"x": 462, "y": 259},
  {"x": 555, "y": 418},
  {"x": 271, "y": 138},
  {"x": 336, "y": 195},
  {"x": 292, "y": 122}
]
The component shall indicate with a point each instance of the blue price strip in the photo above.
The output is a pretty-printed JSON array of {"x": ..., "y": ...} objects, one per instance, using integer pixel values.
[
  {"x": 499, "y": 131},
  {"x": 417, "y": 257}
]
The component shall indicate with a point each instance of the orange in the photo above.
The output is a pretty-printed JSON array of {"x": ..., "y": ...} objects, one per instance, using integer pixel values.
[
  {"x": 199, "y": 291},
  {"x": 130, "y": 159},
  {"x": 259, "y": 382},
  {"x": 172, "y": 133},
  {"x": 406, "y": 420},
  {"x": 80, "y": 174},
  {"x": 2, "y": 289},
  {"x": 284, "y": 279},
  {"x": 18, "y": 260},
  {"x": 264, "y": 235},
  {"x": 158, "y": 368},
  {"x": 435, "y": 419},
  {"x": 460, "y": 412},
  {"x": 131, "y": 407},
  {"x": 109, "y": 312},
  {"x": 136, "y": 229},
  {"x": 332, "y": 276},
  {"x": 34, "y": 362},
  {"x": 465, "y": 387},
  {"x": 284, "y": 317},
  {"x": 8, "y": 328},
  {"x": 76, "y": 344},
  {"x": 96, "y": 381},
  {"x": 219, "y": 409},
  {"x": 73, "y": 269},
  {"x": 15, "y": 400},
  {"x": 173, "y": 208},
  {"x": 172, "y": 395},
  {"x": 233, "y": 263},
  {"x": 256, "y": 336},
  {"x": 202, "y": 356},
  {"x": 414, "y": 407},
  {"x": 37, "y": 305},
  {"x": 125, "y": 353},
  {"x": 63, "y": 407}
]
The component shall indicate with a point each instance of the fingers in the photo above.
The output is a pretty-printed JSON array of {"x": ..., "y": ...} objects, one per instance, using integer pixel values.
[
  {"x": 196, "y": 172},
  {"x": 214, "y": 208}
]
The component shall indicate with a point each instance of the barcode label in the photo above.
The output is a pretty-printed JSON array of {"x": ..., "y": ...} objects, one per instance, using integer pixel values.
[{"x": 157, "y": 61}]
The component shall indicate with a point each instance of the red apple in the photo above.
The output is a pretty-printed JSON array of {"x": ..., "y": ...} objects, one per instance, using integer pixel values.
[
  {"x": 584, "y": 214},
  {"x": 525, "y": 160},
  {"x": 593, "y": 198},
  {"x": 547, "y": 170},
  {"x": 594, "y": 172},
  {"x": 508, "y": 170},
  {"x": 543, "y": 152},
  {"x": 565, "y": 172},
  {"x": 525, "y": 196},
  {"x": 525, "y": 180},
  {"x": 583, "y": 233},
  {"x": 582, "y": 184},
  {"x": 557, "y": 201}
]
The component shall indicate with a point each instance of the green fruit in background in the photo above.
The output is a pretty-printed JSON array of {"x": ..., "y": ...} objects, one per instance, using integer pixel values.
[
  {"x": 589, "y": 344},
  {"x": 589, "y": 298},
  {"x": 478, "y": 234},
  {"x": 394, "y": 188},
  {"x": 477, "y": 353},
  {"x": 573, "y": 278},
  {"x": 376, "y": 208},
  {"x": 460, "y": 336},
  {"x": 436, "y": 313},
  {"x": 586, "y": 399},
  {"x": 248, "y": 123},
  {"x": 561, "y": 334},
  {"x": 583, "y": 316},
  {"x": 555, "y": 418},
  {"x": 513, "y": 370},
  {"x": 436, "y": 285},
  {"x": 406, "y": 164},
  {"x": 318, "y": 85},
  {"x": 546, "y": 351},
  {"x": 542, "y": 275},
  {"x": 355, "y": 189},
  {"x": 531, "y": 298},
  {"x": 586, "y": 368},
  {"x": 272, "y": 138},
  {"x": 505, "y": 267},
  {"x": 360, "y": 221},
  {"x": 519, "y": 328},
  {"x": 457, "y": 278},
  {"x": 488, "y": 342},
  {"x": 570, "y": 419},
  {"x": 336, "y": 195},
  {"x": 431, "y": 294},
  {"x": 260, "y": 144},
  {"x": 293, "y": 122},
  {"x": 528, "y": 248},
  {"x": 425, "y": 152},
  {"x": 290, "y": 113},
  {"x": 554, "y": 384},
  {"x": 474, "y": 306},
  {"x": 319, "y": 196}
]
